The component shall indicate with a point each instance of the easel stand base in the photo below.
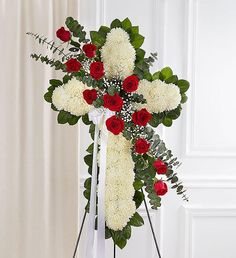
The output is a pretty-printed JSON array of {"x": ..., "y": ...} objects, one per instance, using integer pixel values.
[{"x": 114, "y": 251}]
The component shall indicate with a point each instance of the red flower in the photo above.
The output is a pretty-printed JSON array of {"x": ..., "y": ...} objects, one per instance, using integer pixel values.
[
  {"x": 130, "y": 84},
  {"x": 115, "y": 125},
  {"x": 160, "y": 166},
  {"x": 114, "y": 103},
  {"x": 141, "y": 117},
  {"x": 160, "y": 188},
  {"x": 89, "y": 50},
  {"x": 63, "y": 34},
  {"x": 90, "y": 95},
  {"x": 97, "y": 70},
  {"x": 72, "y": 65},
  {"x": 141, "y": 146}
]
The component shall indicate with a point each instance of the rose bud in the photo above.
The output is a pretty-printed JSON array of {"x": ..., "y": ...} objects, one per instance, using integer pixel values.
[
  {"x": 141, "y": 146},
  {"x": 113, "y": 103},
  {"x": 72, "y": 65},
  {"x": 89, "y": 50},
  {"x": 63, "y": 34},
  {"x": 115, "y": 125},
  {"x": 160, "y": 188},
  {"x": 141, "y": 117},
  {"x": 90, "y": 96},
  {"x": 130, "y": 84},
  {"x": 97, "y": 70},
  {"x": 160, "y": 166}
]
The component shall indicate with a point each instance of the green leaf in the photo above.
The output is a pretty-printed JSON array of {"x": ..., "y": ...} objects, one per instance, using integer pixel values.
[
  {"x": 63, "y": 117},
  {"x": 140, "y": 53},
  {"x": 55, "y": 83},
  {"x": 90, "y": 148},
  {"x": 127, "y": 231},
  {"x": 156, "y": 76},
  {"x": 48, "y": 97},
  {"x": 147, "y": 76},
  {"x": 138, "y": 184},
  {"x": 111, "y": 90},
  {"x": 155, "y": 121},
  {"x": 116, "y": 24},
  {"x": 87, "y": 183},
  {"x": 66, "y": 78},
  {"x": 104, "y": 30},
  {"x": 86, "y": 120},
  {"x": 121, "y": 242},
  {"x": 166, "y": 72},
  {"x": 98, "y": 102},
  {"x": 175, "y": 113},
  {"x": 134, "y": 30},
  {"x": 136, "y": 220},
  {"x": 183, "y": 85},
  {"x": 174, "y": 179},
  {"x": 126, "y": 24},
  {"x": 137, "y": 41},
  {"x": 138, "y": 198},
  {"x": 88, "y": 159},
  {"x": 172, "y": 79},
  {"x": 184, "y": 98},
  {"x": 167, "y": 121},
  {"x": 97, "y": 38},
  {"x": 107, "y": 233},
  {"x": 92, "y": 130},
  {"x": 75, "y": 44},
  {"x": 73, "y": 120},
  {"x": 53, "y": 107}
]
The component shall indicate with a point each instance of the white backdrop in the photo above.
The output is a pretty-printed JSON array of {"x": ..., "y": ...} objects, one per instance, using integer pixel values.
[
  {"x": 197, "y": 39},
  {"x": 38, "y": 173}
]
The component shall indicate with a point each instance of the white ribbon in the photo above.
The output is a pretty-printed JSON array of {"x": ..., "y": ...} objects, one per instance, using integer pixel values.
[{"x": 98, "y": 116}]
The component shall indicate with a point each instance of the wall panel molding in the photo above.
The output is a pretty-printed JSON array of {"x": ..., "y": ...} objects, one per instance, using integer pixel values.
[
  {"x": 190, "y": 214},
  {"x": 192, "y": 149}
]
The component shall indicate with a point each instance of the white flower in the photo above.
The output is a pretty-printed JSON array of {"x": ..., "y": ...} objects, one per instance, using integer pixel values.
[
  {"x": 119, "y": 203},
  {"x": 118, "y": 55},
  {"x": 159, "y": 95},
  {"x": 59, "y": 98},
  {"x": 69, "y": 97}
]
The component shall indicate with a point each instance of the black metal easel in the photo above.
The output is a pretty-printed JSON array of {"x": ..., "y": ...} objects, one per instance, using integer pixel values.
[{"x": 151, "y": 226}]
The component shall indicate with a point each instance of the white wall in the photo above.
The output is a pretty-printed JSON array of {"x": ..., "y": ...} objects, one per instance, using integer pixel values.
[
  {"x": 197, "y": 39},
  {"x": 38, "y": 172}
]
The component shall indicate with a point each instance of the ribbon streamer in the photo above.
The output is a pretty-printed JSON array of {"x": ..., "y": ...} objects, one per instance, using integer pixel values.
[{"x": 98, "y": 116}]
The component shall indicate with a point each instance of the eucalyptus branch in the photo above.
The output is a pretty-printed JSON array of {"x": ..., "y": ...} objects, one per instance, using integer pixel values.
[
  {"x": 49, "y": 61},
  {"x": 43, "y": 40}
]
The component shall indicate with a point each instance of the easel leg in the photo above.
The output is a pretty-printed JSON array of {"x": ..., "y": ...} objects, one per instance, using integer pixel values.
[
  {"x": 114, "y": 251},
  {"x": 152, "y": 229},
  {"x": 80, "y": 232}
]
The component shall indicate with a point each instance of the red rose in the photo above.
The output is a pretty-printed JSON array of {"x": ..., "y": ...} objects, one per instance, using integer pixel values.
[
  {"x": 90, "y": 96},
  {"x": 160, "y": 188},
  {"x": 90, "y": 50},
  {"x": 141, "y": 117},
  {"x": 115, "y": 125},
  {"x": 130, "y": 84},
  {"x": 72, "y": 65},
  {"x": 97, "y": 70},
  {"x": 63, "y": 34},
  {"x": 160, "y": 166},
  {"x": 114, "y": 103},
  {"x": 141, "y": 146}
]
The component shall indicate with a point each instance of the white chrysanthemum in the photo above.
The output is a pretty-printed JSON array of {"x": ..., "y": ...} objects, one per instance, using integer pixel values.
[
  {"x": 119, "y": 203},
  {"x": 160, "y": 96},
  {"x": 118, "y": 55},
  {"x": 59, "y": 98},
  {"x": 69, "y": 97}
]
